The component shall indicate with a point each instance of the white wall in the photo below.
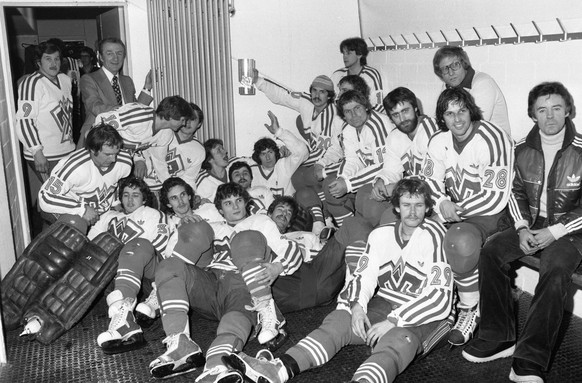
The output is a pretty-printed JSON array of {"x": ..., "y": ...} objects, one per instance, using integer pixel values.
[{"x": 292, "y": 42}]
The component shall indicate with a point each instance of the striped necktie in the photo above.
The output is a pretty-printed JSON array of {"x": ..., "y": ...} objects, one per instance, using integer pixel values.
[{"x": 117, "y": 90}]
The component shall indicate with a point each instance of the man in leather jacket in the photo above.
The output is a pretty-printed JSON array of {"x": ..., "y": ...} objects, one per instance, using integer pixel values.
[{"x": 545, "y": 208}]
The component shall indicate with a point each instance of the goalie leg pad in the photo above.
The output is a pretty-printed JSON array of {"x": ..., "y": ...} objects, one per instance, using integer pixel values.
[
  {"x": 43, "y": 261},
  {"x": 66, "y": 301}
]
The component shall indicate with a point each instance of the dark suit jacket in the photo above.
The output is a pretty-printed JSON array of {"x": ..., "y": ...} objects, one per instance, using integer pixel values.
[{"x": 99, "y": 97}]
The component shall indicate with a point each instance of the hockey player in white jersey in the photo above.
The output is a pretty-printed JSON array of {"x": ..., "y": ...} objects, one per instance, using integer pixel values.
[
  {"x": 145, "y": 232},
  {"x": 82, "y": 186},
  {"x": 217, "y": 291},
  {"x": 185, "y": 154},
  {"x": 272, "y": 170},
  {"x": 469, "y": 165},
  {"x": 43, "y": 118},
  {"x": 143, "y": 128},
  {"x": 405, "y": 153},
  {"x": 364, "y": 139},
  {"x": 405, "y": 262},
  {"x": 354, "y": 53}
]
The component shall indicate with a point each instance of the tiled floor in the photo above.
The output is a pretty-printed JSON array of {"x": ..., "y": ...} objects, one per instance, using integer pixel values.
[{"x": 75, "y": 357}]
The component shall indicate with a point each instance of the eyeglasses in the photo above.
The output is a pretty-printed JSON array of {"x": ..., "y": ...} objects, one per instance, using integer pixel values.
[
  {"x": 356, "y": 110},
  {"x": 455, "y": 66}
]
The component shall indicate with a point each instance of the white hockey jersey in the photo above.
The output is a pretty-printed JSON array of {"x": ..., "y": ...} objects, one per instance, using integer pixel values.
[
  {"x": 413, "y": 276},
  {"x": 43, "y": 118},
  {"x": 279, "y": 179},
  {"x": 364, "y": 151},
  {"x": 76, "y": 181},
  {"x": 476, "y": 176},
  {"x": 371, "y": 76},
  {"x": 144, "y": 222},
  {"x": 322, "y": 129},
  {"x": 405, "y": 157}
]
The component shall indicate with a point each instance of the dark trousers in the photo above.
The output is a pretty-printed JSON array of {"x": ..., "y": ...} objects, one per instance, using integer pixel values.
[{"x": 538, "y": 338}]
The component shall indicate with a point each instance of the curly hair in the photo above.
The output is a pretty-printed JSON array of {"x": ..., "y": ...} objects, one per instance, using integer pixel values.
[{"x": 264, "y": 144}]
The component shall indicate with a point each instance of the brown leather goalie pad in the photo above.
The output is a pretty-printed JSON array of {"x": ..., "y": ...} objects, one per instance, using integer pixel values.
[
  {"x": 68, "y": 299},
  {"x": 43, "y": 262}
]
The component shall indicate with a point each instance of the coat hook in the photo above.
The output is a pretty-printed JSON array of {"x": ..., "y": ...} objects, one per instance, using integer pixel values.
[
  {"x": 431, "y": 40},
  {"x": 565, "y": 38},
  {"x": 498, "y": 36},
  {"x": 517, "y": 34},
  {"x": 479, "y": 36},
  {"x": 445, "y": 37},
  {"x": 541, "y": 36},
  {"x": 383, "y": 42},
  {"x": 406, "y": 41}
]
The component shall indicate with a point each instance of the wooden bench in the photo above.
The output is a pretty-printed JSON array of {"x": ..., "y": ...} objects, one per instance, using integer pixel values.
[{"x": 533, "y": 261}]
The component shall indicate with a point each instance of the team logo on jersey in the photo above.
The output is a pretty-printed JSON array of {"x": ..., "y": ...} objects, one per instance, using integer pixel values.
[
  {"x": 62, "y": 116},
  {"x": 573, "y": 180},
  {"x": 174, "y": 162},
  {"x": 402, "y": 277}
]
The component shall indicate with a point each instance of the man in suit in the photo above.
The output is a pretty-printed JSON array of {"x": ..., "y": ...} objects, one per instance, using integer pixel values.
[{"x": 106, "y": 88}]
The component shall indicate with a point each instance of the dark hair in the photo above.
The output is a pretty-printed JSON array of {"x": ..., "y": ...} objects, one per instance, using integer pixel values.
[
  {"x": 111, "y": 40},
  {"x": 449, "y": 51},
  {"x": 284, "y": 200},
  {"x": 358, "y": 45},
  {"x": 133, "y": 182},
  {"x": 48, "y": 48},
  {"x": 238, "y": 165},
  {"x": 358, "y": 83},
  {"x": 456, "y": 95},
  {"x": 398, "y": 96},
  {"x": 210, "y": 144},
  {"x": 174, "y": 107},
  {"x": 412, "y": 186},
  {"x": 330, "y": 94},
  {"x": 171, "y": 183},
  {"x": 102, "y": 134},
  {"x": 231, "y": 189},
  {"x": 198, "y": 113},
  {"x": 349, "y": 96},
  {"x": 90, "y": 52},
  {"x": 264, "y": 144},
  {"x": 547, "y": 89}
]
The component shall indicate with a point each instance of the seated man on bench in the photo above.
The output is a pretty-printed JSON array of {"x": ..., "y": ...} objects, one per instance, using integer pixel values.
[{"x": 545, "y": 206}]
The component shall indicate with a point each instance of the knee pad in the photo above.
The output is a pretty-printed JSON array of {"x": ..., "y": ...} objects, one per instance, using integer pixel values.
[
  {"x": 194, "y": 241},
  {"x": 249, "y": 246},
  {"x": 65, "y": 302},
  {"x": 237, "y": 325},
  {"x": 462, "y": 245},
  {"x": 43, "y": 262}
]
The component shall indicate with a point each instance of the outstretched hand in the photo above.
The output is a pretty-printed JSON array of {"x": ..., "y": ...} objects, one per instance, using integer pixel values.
[{"x": 274, "y": 127}]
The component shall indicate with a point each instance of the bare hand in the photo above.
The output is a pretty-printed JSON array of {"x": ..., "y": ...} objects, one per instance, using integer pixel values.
[
  {"x": 140, "y": 169},
  {"x": 41, "y": 164},
  {"x": 149, "y": 82},
  {"x": 90, "y": 215},
  {"x": 191, "y": 218},
  {"x": 449, "y": 211},
  {"x": 381, "y": 191},
  {"x": 360, "y": 321},
  {"x": 274, "y": 127},
  {"x": 527, "y": 242},
  {"x": 543, "y": 237},
  {"x": 269, "y": 273},
  {"x": 318, "y": 172},
  {"x": 377, "y": 331},
  {"x": 338, "y": 188}
]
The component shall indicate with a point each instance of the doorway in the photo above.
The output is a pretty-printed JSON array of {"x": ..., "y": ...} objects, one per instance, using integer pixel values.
[{"x": 25, "y": 27}]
